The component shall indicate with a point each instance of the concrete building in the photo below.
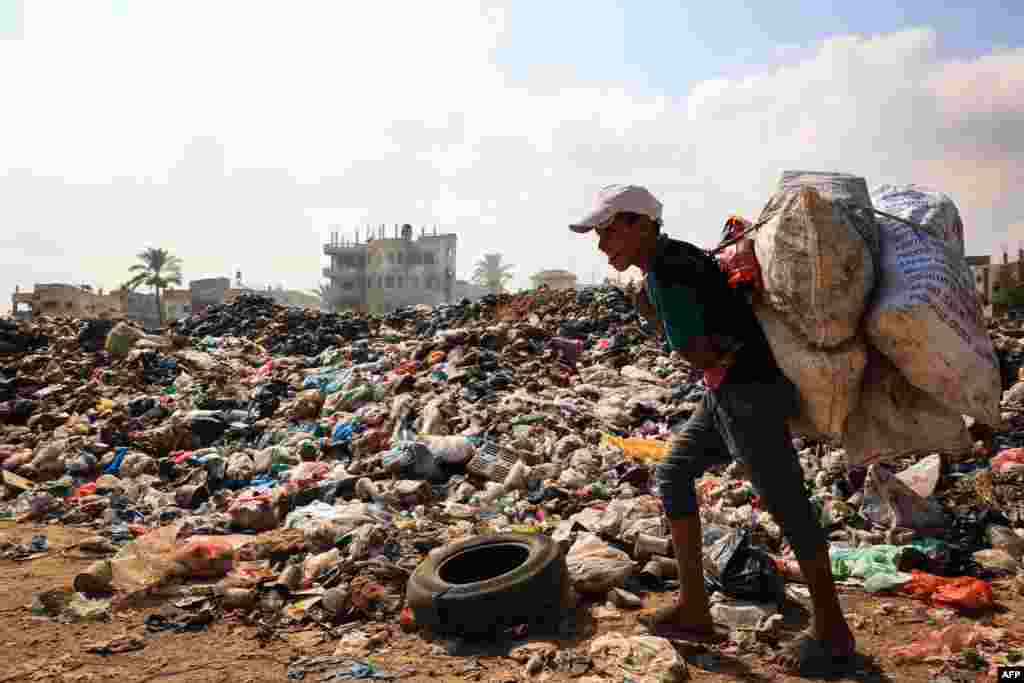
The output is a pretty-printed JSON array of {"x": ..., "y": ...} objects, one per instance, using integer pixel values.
[
  {"x": 991, "y": 278},
  {"x": 554, "y": 279},
  {"x": 384, "y": 273},
  {"x": 58, "y": 299},
  {"x": 177, "y": 303},
  {"x": 208, "y": 292}
]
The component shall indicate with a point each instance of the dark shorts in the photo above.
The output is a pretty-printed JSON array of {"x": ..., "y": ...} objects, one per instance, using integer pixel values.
[{"x": 745, "y": 422}]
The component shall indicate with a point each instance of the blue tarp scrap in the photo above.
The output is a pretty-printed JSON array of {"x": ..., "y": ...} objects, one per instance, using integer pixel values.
[
  {"x": 115, "y": 466},
  {"x": 343, "y": 433}
]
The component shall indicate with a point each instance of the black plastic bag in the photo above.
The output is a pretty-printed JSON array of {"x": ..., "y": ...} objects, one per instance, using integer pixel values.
[{"x": 735, "y": 567}]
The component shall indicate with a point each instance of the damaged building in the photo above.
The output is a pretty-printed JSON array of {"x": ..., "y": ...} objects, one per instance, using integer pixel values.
[{"x": 383, "y": 273}]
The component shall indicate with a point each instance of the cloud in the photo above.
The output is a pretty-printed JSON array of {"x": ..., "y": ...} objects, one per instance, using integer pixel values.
[{"x": 237, "y": 134}]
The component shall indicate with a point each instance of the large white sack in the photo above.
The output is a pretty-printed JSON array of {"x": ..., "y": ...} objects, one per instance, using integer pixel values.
[
  {"x": 926, "y": 316},
  {"x": 894, "y": 418},
  {"x": 934, "y": 211},
  {"x": 816, "y": 256},
  {"x": 828, "y": 380}
]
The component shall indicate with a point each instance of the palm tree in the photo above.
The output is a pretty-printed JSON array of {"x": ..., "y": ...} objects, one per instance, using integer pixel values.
[
  {"x": 491, "y": 273},
  {"x": 157, "y": 268},
  {"x": 326, "y": 292}
]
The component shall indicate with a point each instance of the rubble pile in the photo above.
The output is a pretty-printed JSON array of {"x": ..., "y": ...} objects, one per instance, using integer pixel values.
[{"x": 298, "y": 465}]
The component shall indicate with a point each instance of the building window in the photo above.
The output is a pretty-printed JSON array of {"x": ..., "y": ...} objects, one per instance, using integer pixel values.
[
  {"x": 389, "y": 282},
  {"x": 391, "y": 257},
  {"x": 401, "y": 282},
  {"x": 414, "y": 258},
  {"x": 414, "y": 282},
  {"x": 432, "y": 282},
  {"x": 400, "y": 257},
  {"x": 348, "y": 285},
  {"x": 428, "y": 258}
]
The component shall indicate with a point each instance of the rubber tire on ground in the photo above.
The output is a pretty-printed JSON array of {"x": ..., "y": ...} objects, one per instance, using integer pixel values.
[{"x": 532, "y": 593}]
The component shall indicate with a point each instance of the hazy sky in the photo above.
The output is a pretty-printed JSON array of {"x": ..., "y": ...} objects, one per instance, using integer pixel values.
[{"x": 236, "y": 133}]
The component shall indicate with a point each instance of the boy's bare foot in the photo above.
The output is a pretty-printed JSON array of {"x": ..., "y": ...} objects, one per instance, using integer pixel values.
[
  {"x": 680, "y": 619},
  {"x": 812, "y": 657}
]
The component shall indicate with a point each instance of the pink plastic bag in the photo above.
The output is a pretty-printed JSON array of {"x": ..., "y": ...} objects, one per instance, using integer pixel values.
[
  {"x": 1007, "y": 459},
  {"x": 948, "y": 641},
  {"x": 208, "y": 556}
]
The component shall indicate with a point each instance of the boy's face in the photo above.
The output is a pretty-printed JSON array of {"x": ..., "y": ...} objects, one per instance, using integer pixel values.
[{"x": 624, "y": 244}]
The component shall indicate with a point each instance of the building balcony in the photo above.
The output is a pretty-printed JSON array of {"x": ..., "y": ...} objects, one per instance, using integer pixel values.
[{"x": 330, "y": 248}]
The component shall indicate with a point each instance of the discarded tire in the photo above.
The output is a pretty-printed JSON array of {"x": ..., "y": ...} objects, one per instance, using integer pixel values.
[{"x": 486, "y": 584}]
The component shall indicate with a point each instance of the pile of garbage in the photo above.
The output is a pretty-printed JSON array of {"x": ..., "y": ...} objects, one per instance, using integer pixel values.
[{"x": 300, "y": 465}]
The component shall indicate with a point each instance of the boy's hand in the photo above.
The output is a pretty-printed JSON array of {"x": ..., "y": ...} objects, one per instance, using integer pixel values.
[{"x": 642, "y": 304}]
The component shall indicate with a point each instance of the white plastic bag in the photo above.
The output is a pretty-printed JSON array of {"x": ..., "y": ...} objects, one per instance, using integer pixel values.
[
  {"x": 926, "y": 316},
  {"x": 595, "y": 567},
  {"x": 454, "y": 450},
  {"x": 888, "y": 502},
  {"x": 817, "y": 255},
  {"x": 922, "y": 477},
  {"x": 644, "y": 659}
]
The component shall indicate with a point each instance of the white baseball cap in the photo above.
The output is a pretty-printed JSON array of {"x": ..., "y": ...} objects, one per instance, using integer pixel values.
[{"x": 614, "y": 199}]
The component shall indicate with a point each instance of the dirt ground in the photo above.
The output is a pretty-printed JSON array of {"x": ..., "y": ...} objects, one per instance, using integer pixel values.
[{"x": 39, "y": 649}]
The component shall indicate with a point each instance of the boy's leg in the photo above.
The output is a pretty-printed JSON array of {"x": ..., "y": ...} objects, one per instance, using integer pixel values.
[
  {"x": 756, "y": 432},
  {"x": 693, "y": 450}
]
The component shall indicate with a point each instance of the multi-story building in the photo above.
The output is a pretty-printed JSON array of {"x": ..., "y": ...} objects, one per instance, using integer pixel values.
[
  {"x": 384, "y": 273},
  {"x": 991, "y": 278}
]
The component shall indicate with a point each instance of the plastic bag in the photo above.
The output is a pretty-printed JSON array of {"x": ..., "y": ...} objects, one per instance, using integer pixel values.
[
  {"x": 864, "y": 563},
  {"x": 207, "y": 556},
  {"x": 158, "y": 557},
  {"x": 413, "y": 460},
  {"x": 644, "y": 659},
  {"x": 923, "y": 476},
  {"x": 253, "y": 512},
  {"x": 739, "y": 261},
  {"x": 1007, "y": 460},
  {"x": 122, "y": 338},
  {"x": 645, "y": 450},
  {"x": 1003, "y": 538},
  {"x": 595, "y": 567},
  {"x": 998, "y": 561},
  {"x": 948, "y": 641},
  {"x": 734, "y": 566},
  {"x": 454, "y": 450},
  {"x": 961, "y": 592},
  {"x": 888, "y": 502}
]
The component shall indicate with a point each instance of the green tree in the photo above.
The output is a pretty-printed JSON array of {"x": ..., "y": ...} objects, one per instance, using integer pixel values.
[
  {"x": 491, "y": 273},
  {"x": 157, "y": 268}
]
